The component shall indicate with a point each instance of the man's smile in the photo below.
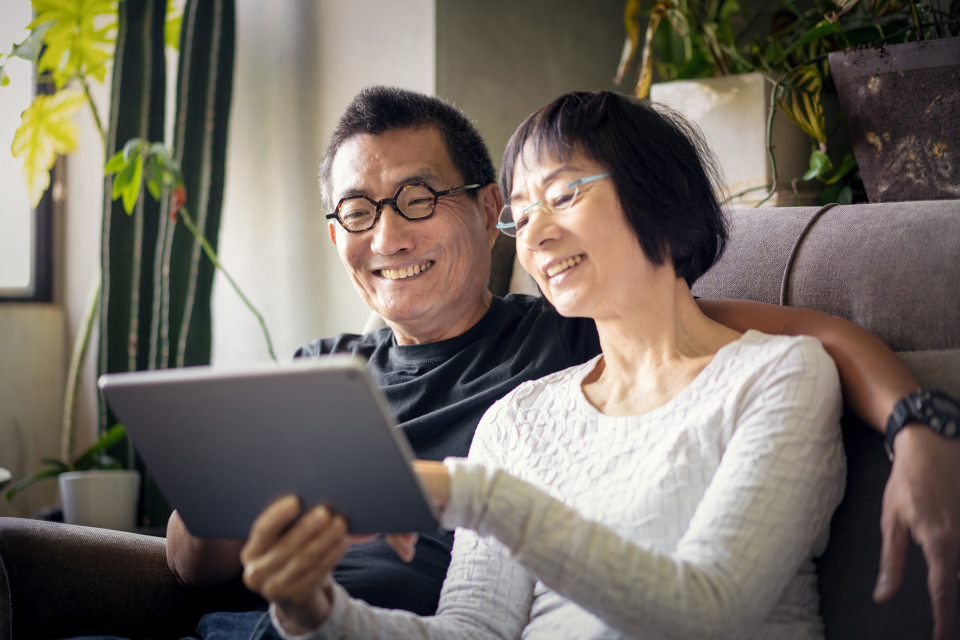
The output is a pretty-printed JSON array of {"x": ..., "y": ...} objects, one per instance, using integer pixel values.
[{"x": 406, "y": 272}]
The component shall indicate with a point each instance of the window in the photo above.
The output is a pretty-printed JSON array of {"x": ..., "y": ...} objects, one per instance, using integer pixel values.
[{"x": 25, "y": 233}]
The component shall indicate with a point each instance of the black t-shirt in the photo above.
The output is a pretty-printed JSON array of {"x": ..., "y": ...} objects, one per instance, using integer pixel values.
[{"x": 439, "y": 391}]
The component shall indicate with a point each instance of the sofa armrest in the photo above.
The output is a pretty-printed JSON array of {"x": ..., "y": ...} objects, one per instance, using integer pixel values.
[{"x": 60, "y": 580}]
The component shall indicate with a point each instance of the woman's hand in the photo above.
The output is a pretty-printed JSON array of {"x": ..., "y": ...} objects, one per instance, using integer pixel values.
[
  {"x": 288, "y": 560},
  {"x": 436, "y": 479}
]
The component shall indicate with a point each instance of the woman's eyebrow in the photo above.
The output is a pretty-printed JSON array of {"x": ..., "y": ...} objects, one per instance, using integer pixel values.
[{"x": 547, "y": 179}]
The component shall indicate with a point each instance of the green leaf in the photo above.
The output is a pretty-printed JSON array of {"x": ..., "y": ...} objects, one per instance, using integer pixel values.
[
  {"x": 113, "y": 436},
  {"x": 819, "y": 165},
  {"x": 131, "y": 191},
  {"x": 75, "y": 46},
  {"x": 121, "y": 180},
  {"x": 32, "y": 45},
  {"x": 115, "y": 164},
  {"x": 798, "y": 97},
  {"x": 847, "y": 166},
  {"x": 171, "y": 28},
  {"x": 22, "y": 484},
  {"x": 46, "y": 129}
]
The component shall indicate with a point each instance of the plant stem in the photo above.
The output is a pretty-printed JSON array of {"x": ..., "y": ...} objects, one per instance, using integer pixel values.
[
  {"x": 187, "y": 220},
  {"x": 772, "y": 109},
  {"x": 93, "y": 110},
  {"x": 80, "y": 345}
]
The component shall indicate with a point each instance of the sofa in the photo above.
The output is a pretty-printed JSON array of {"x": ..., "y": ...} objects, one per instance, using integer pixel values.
[{"x": 893, "y": 268}]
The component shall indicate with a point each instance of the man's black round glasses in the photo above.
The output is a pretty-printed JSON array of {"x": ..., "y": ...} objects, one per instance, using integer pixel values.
[{"x": 415, "y": 201}]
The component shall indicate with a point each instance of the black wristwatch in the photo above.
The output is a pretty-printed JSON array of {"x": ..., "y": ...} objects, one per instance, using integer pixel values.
[{"x": 933, "y": 408}]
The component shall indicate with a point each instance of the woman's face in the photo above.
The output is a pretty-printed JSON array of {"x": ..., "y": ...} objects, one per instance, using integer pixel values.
[{"x": 586, "y": 259}]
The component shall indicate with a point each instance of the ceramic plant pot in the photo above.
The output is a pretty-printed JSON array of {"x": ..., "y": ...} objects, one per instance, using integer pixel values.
[{"x": 106, "y": 499}]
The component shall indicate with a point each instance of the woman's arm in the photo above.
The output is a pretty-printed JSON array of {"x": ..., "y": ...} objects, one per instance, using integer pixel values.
[
  {"x": 288, "y": 559},
  {"x": 764, "y": 513}
]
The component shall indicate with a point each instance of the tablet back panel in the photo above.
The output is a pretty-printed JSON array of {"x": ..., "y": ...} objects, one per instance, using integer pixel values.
[{"x": 223, "y": 444}]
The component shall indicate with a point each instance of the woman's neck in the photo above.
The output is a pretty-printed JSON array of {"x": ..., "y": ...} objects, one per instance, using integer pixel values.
[{"x": 653, "y": 351}]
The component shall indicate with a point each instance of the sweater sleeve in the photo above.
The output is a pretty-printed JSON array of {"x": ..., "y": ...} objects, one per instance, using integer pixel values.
[
  {"x": 765, "y": 512},
  {"x": 486, "y": 595}
]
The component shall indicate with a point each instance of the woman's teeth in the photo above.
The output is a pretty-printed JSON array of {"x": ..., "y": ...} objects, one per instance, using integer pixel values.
[
  {"x": 397, "y": 274},
  {"x": 564, "y": 265}
]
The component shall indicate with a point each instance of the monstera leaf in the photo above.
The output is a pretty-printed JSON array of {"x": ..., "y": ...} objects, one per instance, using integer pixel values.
[{"x": 46, "y": 129}]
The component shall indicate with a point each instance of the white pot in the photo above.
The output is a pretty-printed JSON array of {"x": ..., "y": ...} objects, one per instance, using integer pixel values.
[
  {"x": 731, "y": 111},
  {"x": 106, "y": 499}
]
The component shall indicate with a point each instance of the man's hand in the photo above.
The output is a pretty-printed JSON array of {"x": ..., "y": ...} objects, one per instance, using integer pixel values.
[
  {"x": 288, "y": 560},
  {"x": 922, "y": 501}
]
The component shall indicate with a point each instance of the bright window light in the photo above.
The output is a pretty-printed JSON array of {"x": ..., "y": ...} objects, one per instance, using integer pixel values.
[{"x": 17, "y": 219}]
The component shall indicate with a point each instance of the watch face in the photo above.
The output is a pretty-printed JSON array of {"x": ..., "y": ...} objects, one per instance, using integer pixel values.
[{"x": 941, "y": 412}]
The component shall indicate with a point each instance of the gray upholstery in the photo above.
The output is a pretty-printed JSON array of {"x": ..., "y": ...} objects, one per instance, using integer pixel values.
[{"x": 893, "y": 268}]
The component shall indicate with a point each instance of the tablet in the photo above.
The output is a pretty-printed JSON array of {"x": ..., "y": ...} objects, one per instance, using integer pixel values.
[{"x": 222, "y": 444}]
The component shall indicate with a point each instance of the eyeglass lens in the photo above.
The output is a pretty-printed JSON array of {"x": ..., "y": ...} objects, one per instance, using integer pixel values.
[
  {"x": 558, "y": 197},
  {"x": 413, "y": 201}
]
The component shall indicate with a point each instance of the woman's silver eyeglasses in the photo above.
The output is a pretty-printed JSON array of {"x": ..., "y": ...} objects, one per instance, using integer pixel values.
[
  {"x": 558, "y": 198},
  {"x": 415, "y": 201}
]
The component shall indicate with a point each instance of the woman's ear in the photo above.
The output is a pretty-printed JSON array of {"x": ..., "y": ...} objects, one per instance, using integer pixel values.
[{"x": 332, "y": 230}]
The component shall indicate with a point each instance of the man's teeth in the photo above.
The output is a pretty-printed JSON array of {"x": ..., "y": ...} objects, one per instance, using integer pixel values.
[
  {"x": 563, "y": 266},
  {"x": 397, "y": 274}
]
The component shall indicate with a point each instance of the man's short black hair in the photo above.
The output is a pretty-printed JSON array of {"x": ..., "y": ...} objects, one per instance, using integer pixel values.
[
  {"x": 665, "y": 176},
  {"x": 379, "y": 109}
]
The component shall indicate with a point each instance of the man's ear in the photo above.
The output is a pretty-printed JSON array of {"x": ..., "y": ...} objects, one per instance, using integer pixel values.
[
  {"x": 491, "y": 202},
  {"x": 332, "y": 230}
]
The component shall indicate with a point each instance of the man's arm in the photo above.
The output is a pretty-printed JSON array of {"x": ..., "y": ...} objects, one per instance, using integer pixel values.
[
  {"x": 873, "y": 378},
  {"x": 197, "y": 562},
  {"x": 922, "y": 496}
]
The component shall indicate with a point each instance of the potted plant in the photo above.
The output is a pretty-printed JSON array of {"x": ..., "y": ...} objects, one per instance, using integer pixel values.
[
  {"x": 899, "y": 87},
  {"x": 716, "y": 38},
  {"x": 95, "y": 489},
  {"x": 730, "y": 70},
  {"x": 152, "y": 299}
]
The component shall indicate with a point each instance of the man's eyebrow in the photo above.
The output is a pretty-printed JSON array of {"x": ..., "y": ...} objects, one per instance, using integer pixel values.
[{"x": 422, "y": 175}]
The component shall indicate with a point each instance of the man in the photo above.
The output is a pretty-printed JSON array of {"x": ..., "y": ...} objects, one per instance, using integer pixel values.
[{"x": 414, "y": 204}]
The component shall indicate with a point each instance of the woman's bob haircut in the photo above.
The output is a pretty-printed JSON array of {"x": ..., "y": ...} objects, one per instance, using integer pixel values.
[{"x": 665, "y": 176}]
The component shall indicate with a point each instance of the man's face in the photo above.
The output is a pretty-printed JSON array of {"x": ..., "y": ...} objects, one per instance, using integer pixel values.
[{"x": 427, "y": 278}]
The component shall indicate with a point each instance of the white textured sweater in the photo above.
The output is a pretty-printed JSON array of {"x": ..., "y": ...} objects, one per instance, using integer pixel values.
[{"x": 699, "y": 519}]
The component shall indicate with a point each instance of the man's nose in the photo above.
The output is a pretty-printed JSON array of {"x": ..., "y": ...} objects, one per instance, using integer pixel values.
[{"x": 391, "y": 233}]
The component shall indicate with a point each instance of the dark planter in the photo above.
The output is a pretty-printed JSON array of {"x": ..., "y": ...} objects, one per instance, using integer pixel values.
[{"x": 902, "y": 106}]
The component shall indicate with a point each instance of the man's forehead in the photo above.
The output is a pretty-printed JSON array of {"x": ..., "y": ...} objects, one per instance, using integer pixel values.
[{"x": 366, "y": 162}]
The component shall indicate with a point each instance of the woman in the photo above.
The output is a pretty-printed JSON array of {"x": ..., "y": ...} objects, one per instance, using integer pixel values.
[{"x": 679, "y": 484}]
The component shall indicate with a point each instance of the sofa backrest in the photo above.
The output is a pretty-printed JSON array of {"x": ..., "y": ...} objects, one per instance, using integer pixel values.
[{"x": 894, "y": 269}]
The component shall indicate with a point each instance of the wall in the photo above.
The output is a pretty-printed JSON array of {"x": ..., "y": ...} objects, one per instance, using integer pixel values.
[{"x": 500, "y": 60}]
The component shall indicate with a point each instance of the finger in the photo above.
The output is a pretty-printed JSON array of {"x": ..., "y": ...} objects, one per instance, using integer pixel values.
[
  {"x": 270, "y": 525},
  {"x": 303, "y": 573},
  {"x": 266, "y": 557},
  {"x": 893, "y": 557},
  {"x": 942, "y": 585},
  {"x": 405, "y": 544}
]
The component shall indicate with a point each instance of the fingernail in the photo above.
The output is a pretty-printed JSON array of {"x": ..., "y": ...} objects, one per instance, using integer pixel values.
[{"x": 880, "y": 590}]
